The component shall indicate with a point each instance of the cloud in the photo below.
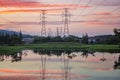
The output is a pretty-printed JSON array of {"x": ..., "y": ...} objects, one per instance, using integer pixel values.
[
  {"x": 50, "y": 22},
  {"x": 107, "y": 2},
  {"x": 103, "y": 69},
  {"x": 2, "y": 27},
  {"x": 32, "y": 11},
  {"x": 84, "y": 22},
  {"x": 103, "y": 13},
  {"x": 83, "y": 6},
  {"x": 99, "y": 23},
  {"x": 29, "y": 4},
  {"x": 33, "y": 6}
]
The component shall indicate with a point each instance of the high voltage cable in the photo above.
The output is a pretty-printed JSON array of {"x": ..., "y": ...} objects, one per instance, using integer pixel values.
[
  {"x": 84, "y": 9},
  {"x": 115, "y": 9},
  {"x": 10, "y": 9},
  {"x": 79, "y": 3},
  {"x": 72, "y": 2},
  {"x": 95, "y": 8},
  {"x": 6, "y": 7},
  {"x": 112, "y": 11}
]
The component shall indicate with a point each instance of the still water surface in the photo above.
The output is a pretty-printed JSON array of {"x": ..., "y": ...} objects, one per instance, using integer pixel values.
[{"x": 34, "y": 65}]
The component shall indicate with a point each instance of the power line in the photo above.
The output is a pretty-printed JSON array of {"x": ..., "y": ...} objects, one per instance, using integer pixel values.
[
  {"x": 115, "y": 9},
  {"x": 84, "y": 9},
  {"x": 72, "y": 2},
  {"x": 6, "y": 18},
  {"x": 112, "y": 11},
  {"x": 6, "y": 7},
  {"x": 79, "y": 3},
  {"x": 95, "y": 7}
]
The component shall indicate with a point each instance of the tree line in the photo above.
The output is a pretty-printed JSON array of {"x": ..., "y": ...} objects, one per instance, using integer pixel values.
[
  {"x": 16, "y": 38},
  {"x": 70, "y": 38},
  {"x": 10, "y": 39},
  {"x": 85, "y": 39}
]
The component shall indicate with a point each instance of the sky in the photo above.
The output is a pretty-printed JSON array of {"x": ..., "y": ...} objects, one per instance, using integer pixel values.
[{"x": 95, "y": 17}]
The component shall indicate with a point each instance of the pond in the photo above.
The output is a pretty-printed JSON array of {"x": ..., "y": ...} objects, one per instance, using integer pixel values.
[{"x": 60, "y": 65}]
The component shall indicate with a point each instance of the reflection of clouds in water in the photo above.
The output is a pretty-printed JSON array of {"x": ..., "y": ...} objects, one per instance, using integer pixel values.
[
  {"x": 29, "y": 66},
  {"x": 34, "y": 77},
  {"x": 34, "y": 74},
  {"x": 16, "y": 77},
  {"x": 30, "y": 71},
  {"x": 97, "y": 68},
  {"x": 104, "y": 69}
]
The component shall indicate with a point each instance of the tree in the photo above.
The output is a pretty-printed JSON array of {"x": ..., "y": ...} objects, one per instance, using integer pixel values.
[
  {"x": 10, "y": 39},
  {"x": 117, "y": 34},
  {"x": 20, "y": 37},
  {"x": 56, "y": 39},
  {"x": 85, "y": 39}
]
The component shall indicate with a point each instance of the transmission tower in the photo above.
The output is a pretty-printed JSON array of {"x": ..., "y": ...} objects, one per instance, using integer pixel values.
[
  {"x": 57, "y": 32},
  {"x": 66, "y": 20},
  {"x": 49, "y": 32},
  {"x": 61, "y": 31},
  {"x": 43, "y": 23}
]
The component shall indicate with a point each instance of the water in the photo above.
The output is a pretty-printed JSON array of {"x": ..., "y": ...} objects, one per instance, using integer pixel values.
[{"x": 59, "y": 65}]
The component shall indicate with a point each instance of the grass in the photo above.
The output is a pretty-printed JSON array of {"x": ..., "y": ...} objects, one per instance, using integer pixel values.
[
  {"x": 60, "y": 46},
  {"x": 10, "y": 49}
]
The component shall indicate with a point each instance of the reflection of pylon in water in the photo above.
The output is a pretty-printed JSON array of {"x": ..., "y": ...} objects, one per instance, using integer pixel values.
[
  {"x": 66, "y": 17},
  {"x": 43, "y": 23},
  {"x": 43, "y": 67},
  {"x": 66, "y": 69}
]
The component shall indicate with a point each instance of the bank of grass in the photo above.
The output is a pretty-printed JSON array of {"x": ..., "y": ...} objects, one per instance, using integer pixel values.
[
  {"x": 61, "y": 46},
  {"x": 10, "y": 49}
]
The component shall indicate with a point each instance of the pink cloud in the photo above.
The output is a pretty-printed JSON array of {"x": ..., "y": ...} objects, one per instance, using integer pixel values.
[
  {"x": 12, "y": 74},
  {"x": 29, "y": 4},
  {"x": 2, "y": 27},
  {"x": 103, "y": 69},
  {"x": 99, "y": 23},
  {"x": 102, "y": 13},
  {"x": 84, "y": 6}
]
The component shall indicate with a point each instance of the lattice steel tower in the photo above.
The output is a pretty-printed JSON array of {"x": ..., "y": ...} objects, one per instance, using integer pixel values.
[
  {"x": 43, "y": 23},
  {"x": 66, "y": 20}
]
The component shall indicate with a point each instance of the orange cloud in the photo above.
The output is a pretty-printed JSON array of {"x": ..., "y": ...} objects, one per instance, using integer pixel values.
[
  {"x": 84, "y": 6},
  {"x": 2, "y": 27},
  {"x": 31, "y": 10},
  {"x": 96, "y": 23},
  {"x": 103, "y": 69},
  {"x": 16, "y": 73},
  {"x": 102, "y": 13},
  {"x": 30, "y": 71},
  {"x": 23, "y": 4}
]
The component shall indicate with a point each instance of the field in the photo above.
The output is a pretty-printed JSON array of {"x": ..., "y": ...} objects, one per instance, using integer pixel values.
[{"x": 60, "y": 46}]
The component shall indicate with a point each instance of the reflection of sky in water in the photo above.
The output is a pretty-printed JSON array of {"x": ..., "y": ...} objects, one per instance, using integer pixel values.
[{"x": 90, "y": 68}]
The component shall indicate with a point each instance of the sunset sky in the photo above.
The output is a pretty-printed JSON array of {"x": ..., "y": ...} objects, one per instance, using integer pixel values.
[{"x": 95, "y": 17}]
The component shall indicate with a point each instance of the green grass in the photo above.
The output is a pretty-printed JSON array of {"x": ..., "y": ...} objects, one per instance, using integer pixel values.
[
  {"x": 104, "y": 48},
  {"x": 60, "y": 46}
]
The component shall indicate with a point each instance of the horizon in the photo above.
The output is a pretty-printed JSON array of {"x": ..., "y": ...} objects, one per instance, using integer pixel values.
[
  {"x": 61, "y": 36},
  {"x": 95, "y": 17}
]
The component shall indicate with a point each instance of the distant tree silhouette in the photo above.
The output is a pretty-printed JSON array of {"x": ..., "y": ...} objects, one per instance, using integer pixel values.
[
  {"x": 10, "y": 39},
  {"x": 85, "y": 39},
  {"x": 117, "y": 34}
]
